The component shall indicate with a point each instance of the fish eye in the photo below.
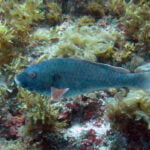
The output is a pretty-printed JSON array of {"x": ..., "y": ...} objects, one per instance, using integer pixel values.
[{"x": 32, "y": 74}]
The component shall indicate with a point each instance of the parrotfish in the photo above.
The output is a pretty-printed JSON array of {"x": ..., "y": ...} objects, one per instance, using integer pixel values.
[{"x": 65, "y": 77}]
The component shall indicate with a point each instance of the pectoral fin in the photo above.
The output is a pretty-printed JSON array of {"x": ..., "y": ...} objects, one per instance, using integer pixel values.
[{"x": 57, "y": 93}]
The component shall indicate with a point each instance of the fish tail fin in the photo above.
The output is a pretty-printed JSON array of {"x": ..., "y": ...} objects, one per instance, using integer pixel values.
[{"x": 140, "y": 80}]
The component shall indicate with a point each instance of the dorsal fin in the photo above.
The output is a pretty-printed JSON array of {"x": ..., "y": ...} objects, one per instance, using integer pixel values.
[{"x": 118, "y": 69}]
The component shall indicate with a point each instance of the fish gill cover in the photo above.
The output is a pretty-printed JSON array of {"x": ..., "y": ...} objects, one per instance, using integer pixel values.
[{"x": 115, "y": 32}]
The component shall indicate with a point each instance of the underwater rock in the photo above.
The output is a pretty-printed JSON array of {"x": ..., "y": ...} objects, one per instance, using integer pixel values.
[{"x": 110, "y": 31}]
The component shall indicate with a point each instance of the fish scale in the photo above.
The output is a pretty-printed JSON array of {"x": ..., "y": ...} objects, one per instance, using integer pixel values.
[{"x": 63, "y": 77}]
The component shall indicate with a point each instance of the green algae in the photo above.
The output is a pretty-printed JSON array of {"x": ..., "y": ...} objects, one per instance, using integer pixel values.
[
  {"x": 42, "y": 117},
  {"x": 54, "y": 13},
  {"x": 95, "y": 9},
  {"x": 19, "y": 31},
  {"x": 15, "y": 26},
  {"x": 6, "y": 42},
  {"x": 116, "y": 8},
  {"x": 135, "y": 106},
  {"x": 83, "y": 42},
  {"x": 129, "y": 116},
  {"x": 136, "y": 21},
  {"x": 6, "y": 34},
  {"x": 21, "y": 17},
  {"x": 17, "y": 22},
  {"x": 85, "y": 21},
  {"x": 80, "y": 38}
]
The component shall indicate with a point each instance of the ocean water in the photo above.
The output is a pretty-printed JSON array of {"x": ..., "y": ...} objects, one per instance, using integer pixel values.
[{"x": 113, "y": 32}]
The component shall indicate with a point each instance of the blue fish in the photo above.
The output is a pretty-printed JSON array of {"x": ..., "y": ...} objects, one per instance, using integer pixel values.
[{"x": 63, "y": 77}]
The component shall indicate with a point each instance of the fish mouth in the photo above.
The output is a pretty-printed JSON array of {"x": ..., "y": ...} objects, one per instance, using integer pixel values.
[{"x": 17, "y": 81}]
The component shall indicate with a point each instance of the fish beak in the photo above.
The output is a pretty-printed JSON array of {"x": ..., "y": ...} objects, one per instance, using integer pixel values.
[{"x": 16, "y": 81}]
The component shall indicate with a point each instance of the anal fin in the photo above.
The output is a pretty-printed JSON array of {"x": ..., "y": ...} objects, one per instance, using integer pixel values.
[{"x": 57, "y": 93}]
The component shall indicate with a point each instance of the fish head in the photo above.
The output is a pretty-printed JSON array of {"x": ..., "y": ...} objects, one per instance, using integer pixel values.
[{"x": 35, "y": 79}]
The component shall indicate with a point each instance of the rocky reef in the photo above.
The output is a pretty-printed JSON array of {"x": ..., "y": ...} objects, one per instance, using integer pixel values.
[{"x": 115, "y": 32}]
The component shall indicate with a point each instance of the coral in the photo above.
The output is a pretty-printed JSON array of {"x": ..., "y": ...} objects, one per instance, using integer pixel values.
[{"x": 130, "y": 116}]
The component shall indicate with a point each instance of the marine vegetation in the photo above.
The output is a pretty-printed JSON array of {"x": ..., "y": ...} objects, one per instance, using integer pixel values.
[
  {"x": 21, "y": 17},
  {"x": 15, "y": 26},
  {"x": 130, "y": 116},
  {"x": 53, "y": 13},
  {"x": 115, "y": 32},
  {"x": 83, "y": 42},
  {"x": 6, "y": 43},
  {"x": 86, "y": 21},
  {"x": 95, "y": 9},
  {"x": 42, "y": 118},
  {"x": 117, "y": 8},
  {"x": 134, "y": 21},
  {"x": 137, "y": 22}
]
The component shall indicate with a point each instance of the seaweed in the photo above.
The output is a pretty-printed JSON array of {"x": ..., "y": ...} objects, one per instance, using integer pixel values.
[
  {"x": 136, "y": 22},
  {"x": 112, "y": 31},
  {"x": 53, "y": 14},
  {"x": 95, "y": 9},
  {"x": 21, "y": 17},
  {"x": 43, "y": 118},
  {"x": 83, "y": 42},
  {"x": 6, "y": 43},
  {"x": 17, "y": 19},
  {"x": 130, "y": 116},
  {"x": 116, "y": 8},
  {"x": 85, "y": 21}
]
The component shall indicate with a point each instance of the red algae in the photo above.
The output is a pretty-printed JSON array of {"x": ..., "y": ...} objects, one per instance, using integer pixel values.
[{"x": 113, "y": 32}]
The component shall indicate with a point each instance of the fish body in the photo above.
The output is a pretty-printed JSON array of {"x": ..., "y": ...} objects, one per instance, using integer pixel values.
[{"x": 75, "y": 77}]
